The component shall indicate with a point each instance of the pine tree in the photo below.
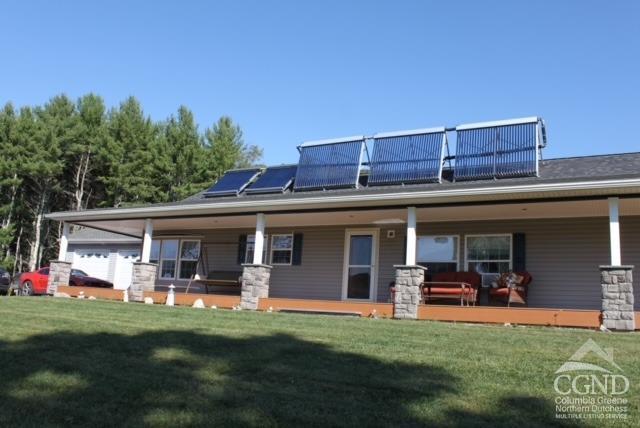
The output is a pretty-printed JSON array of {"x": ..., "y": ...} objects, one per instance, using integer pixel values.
[
  {"x": 227, "y": 149},
  {"x": 128, "y": 157},
  {"x": 9, "y": 183},
  {"x": 186, "y": 170},
  {"x": 88, "y": 137}
]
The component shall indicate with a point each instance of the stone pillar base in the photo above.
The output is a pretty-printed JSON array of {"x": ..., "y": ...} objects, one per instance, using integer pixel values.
[
  {"x": 143, "y": 279},
  {"x": 255, "y": 284},
  {"x": 617, "y": 297},
  {"x": 59, "y": 274},
  {"x": 408, "y": 291}
]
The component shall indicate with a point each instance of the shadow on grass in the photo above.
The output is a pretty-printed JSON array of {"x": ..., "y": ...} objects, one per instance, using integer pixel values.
[{"x": 177, "y": 378}]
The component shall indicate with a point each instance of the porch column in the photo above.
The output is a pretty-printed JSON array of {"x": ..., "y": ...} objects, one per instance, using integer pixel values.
[
  {"x": 617, "y": 297},
  {"x": 616, "y": 280},
  {"x": 259, "y": 239},
  {"x": 256, "y": 275},
  {"x": 614, "y": 231},
  {"x": 60, "y": 270},
  {"x": 407, "y": 291},
  {"x": 410, "y": 256},
  {"x": 144, "y": 273},
  {"x": 147, "y": 240},
  {"x": 64, "y": 242}
]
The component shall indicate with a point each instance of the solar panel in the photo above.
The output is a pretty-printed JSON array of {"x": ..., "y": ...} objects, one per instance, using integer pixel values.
[
  {"x": 500, "y": 149},
  {"x": 275, "y": 179},
  {"x": 408, "y": 157},
  {"x": 232, "y": 182},
  {"x": 329, "y": 164}
]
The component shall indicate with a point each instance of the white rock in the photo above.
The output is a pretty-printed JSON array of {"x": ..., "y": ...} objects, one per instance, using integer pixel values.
[
  {"x": 148, "y": 301},
  {"x": 214, "y": 307},
  {"x": 92, "y": 297},
  {"x": 81, "y": 295},
  {"x": 198, "y": 304},
  {"x": 60, "y": 294}
]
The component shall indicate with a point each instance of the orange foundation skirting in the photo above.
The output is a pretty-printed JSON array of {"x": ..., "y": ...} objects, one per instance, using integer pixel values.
[
  {"x": 495, "y": 315},
  {"x": 157, "y": 296},
  {"x": 98, "y": 293},
  {"x": 365, "y": 309},
  {"x": 529, "y": 316}
]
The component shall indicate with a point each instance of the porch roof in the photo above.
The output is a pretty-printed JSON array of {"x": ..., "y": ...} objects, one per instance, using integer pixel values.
[{"x": 589, "y": 176}]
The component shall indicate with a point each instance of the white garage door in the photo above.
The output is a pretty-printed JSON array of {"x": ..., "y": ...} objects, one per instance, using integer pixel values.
[
  {"x": 124, "y": 268},
  {"x": 94, "y": 262}
]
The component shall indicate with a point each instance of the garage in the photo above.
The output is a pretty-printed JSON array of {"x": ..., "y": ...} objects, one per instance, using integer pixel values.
[
  {"x": 124, "y": 268},
  {"x": 95, "y": 262}
]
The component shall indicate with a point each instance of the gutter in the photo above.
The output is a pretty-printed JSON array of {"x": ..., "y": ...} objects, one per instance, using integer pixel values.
[{"x": 379, "y": 199}]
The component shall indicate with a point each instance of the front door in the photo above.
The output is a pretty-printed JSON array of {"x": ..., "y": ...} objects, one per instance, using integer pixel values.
[{"x": 360, "y": 264}]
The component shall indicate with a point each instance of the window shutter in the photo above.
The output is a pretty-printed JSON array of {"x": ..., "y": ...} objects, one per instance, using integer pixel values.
[
  {"x": 242, "y": 248},
  {"x": 404, "y": 250},
  {"x": 519, "y": 256},
  {"x": 296, "y": 258}
]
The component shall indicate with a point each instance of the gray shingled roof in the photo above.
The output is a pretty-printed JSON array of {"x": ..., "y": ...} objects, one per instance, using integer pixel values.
[
  {"x": 552, "y": 171},
  {"x": 601, "y": 167}
]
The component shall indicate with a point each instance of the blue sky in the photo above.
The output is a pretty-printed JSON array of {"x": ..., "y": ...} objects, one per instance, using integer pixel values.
[{"x": 294, "y": 71}]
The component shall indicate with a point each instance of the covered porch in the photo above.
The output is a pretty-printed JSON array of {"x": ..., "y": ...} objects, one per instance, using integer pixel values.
[{"x": 343, "y": 260}]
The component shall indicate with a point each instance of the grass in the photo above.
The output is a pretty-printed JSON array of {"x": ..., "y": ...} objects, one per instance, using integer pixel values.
[{"x": 96, "y": 363}]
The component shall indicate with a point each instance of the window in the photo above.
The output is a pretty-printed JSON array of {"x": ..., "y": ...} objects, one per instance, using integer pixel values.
[
  {"x": 189, "y": 254},
  {"x": 489, "y": 255},
  {"x": 438, "y": 253},
  {"x": 168, "y": 256},
  {"x": 251, "y": 243},
  {"x": 281, "y": 249}
]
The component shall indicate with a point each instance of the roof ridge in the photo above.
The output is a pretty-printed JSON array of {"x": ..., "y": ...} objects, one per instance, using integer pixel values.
[{"x": 592, "y": 156}]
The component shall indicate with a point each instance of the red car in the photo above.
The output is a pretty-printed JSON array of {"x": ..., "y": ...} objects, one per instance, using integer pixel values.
[{"x": 36, "y": 282}]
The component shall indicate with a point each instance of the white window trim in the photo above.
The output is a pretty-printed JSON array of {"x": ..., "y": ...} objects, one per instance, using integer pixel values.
[
  {"x": 162, "y": 260},
  {"x": 265, "y": 251},
  {"x": 466, "y": 252},
  {"x": 445, "y": 236},
  {"x": 373, "y": 290},
  {"x": 180, "y": 259},
  {"x": 290, "y": 249}
]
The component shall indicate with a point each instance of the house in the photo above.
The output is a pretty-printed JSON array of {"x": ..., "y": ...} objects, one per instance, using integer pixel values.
[
  {"x": 356, "y": 214},
  {"x": 105, "y": 255}
]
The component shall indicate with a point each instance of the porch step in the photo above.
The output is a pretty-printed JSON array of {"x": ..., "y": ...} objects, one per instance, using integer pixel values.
[{"x": 320, "y": 312}]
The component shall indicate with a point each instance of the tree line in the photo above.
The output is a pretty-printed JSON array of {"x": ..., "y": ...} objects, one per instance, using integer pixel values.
[{"x": 67, "y": 155}]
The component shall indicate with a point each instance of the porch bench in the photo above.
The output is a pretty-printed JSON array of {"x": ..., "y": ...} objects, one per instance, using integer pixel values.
[
  {"x": 221, "y": 278},
  {"x": 461, "y": 286},
  {"x": 319, "y": 312}
]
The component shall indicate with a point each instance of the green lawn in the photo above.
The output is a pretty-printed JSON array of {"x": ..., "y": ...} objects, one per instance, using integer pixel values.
[{"x": 97, "y": 363}]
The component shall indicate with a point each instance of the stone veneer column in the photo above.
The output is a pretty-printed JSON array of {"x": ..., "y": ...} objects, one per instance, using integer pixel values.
[
  {"x": 59, "y": 274},
  {"x": 407, "y": 297},
  {"x": 255, "y": 284},
  {"x": 143, "y": 279},
  {"x": 617, "y": 297}
]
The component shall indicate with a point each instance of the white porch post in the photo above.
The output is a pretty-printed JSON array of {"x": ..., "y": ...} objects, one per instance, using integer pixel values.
[
  {"x": 64, "y": 242},
  {"x": 410, "y": 258},
  {"x": 146, "y": 241},
  {"x": 259, "y": 240},
  {"x": 614, "y": 231}
]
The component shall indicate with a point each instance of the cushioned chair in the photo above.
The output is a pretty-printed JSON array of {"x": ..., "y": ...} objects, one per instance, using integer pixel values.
[
  {"x": 510, "y": 291},
  {"x": 461, "y": 286}
]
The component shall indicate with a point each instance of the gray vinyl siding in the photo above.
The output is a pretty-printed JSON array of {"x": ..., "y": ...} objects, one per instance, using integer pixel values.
[{"x": 563, "y": 256}]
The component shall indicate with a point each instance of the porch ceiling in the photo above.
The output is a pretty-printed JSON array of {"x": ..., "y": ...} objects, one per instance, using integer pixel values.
[{"x": 380, "y": 217}]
